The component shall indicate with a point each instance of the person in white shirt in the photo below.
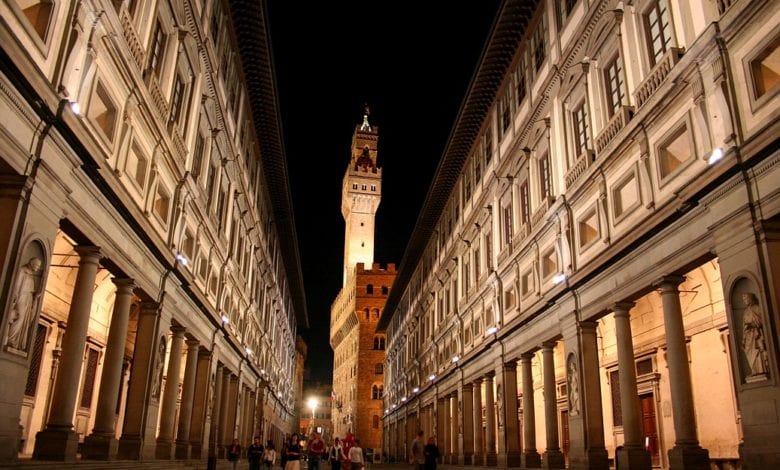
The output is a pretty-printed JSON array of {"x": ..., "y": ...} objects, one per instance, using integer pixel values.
[
  {"x": 356, "y": 456},
  {"x": 336, "y": 454}
]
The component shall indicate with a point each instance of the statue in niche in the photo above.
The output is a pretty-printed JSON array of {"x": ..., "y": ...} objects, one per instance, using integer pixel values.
[
  {"x": 24, "y": 299},
  {"x": 499, "y": 405},
  {"x": 574, "y": 388},
  {"x": 211, "y": 392},
  {"x": 158, "y": 369},
  {"x": 753, "y": 340}
]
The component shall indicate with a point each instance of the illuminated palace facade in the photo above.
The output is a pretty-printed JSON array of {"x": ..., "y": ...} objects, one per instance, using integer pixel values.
[
  {"x": 358, "y": 351},
  {"x": 150, "y": 288},
  {"x": 596, "y": 269}
]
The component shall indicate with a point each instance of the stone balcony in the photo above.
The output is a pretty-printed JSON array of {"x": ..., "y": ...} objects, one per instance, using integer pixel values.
[{"x": 656, "y": 76}]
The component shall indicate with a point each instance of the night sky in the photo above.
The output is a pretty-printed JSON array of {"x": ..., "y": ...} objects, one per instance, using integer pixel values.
[{"x": 412, "y": 63}]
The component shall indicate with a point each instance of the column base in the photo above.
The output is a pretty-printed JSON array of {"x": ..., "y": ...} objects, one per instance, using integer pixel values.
[
  {"x": 183, "y": 450},
  {"x": 10, "y": 439},
  {"x": 531, "y": 459},
  {"x": 513, "y": 459},
  {"x": 221, "y": 452},
  {"x": 491, "y": 459},
  {"x": 689, "y": 457},
  {"x": 477, "y": 460},
  {"x": 197, "y": 451},
  {"x": 592, "y": 459},
  {"x": 164, "y": 450},
  {"x": 99, "y": 447},
  {"x": 633, "y": 458},
  {"x": 130, "y": 448},
  {"x": 56, "y": 444},
  {"x": 555, "y": 459}
]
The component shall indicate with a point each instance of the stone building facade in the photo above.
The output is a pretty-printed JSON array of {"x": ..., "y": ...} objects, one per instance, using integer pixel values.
[
  {"x": 595, "y": 272},
  {"x": 150, "y": 290},
  {"x": 358, "y": 351}
]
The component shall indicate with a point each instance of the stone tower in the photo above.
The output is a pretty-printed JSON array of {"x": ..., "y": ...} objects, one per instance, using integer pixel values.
[{"x": 360, "y": 196}]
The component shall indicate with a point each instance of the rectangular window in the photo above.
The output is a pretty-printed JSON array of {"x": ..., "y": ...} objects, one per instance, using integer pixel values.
[
  {"x": 210, "y": 181},
  {"x": 162, "y": 203},
  {"x": 158, "y": 49},
  {"x": 545, "y": 176},
  {"x": 197, "y": 155},
  {"x": 505, "y": 110},
  {"x": 216, "y": 20},
  {"x": 507, "y": 222},
  {"x": 487, "y": 148},
  {"x": 33, "y": 372},
  {"x": 613, "y": 76},
  {"x": 466, "y": 185},
  {"x": 103, "y": 111},
  {"x": 563, "y": 9},
  {"x": 477, "y": 262},
  {"x": 579, "y": 119},
  {"x": 477, "y": 171},
  {"x": 88, "y": 387},
  {"x": 525, "y": 204},
  {"x": 657, "y": 29},
  {"x": 765, "y": 69},
  {"x": 177, "y": 99},
  {"x": 520, "y": 83},
  {"x": 539, "y": 43},
  {"x": 674, "y": 151},
  {"x": 489, "y": 251}
]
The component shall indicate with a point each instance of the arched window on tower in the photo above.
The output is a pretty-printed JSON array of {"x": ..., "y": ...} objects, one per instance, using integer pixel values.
[
  {"x": 370, "y": 289},
  {"x": 384, "y": 290},
  {"x": 367, "y": 315},
  {"x": 379, "y": 343},
  {"x": 376, "y": 392}
]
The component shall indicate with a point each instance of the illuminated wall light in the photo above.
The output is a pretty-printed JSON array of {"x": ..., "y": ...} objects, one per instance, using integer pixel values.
[
  {"x": 492, "y": 330},
  {"x": 182, "y": 259},
  {"x": 415, "y": 389},
  {"x": 717, "y": 154},
  {"x": 393, "y": 407},
  {"x": 403, "y": 399},
  {"x": 432, "y": 377},
  {"x": 559, "y": 278},
  {"x": 387, "y": 411},
  {"x": 248, "y": 351},
  {"x": 455, "y": 359},
  {"x": 225, "y": 319},
  {"x": 75, "y": 107}
]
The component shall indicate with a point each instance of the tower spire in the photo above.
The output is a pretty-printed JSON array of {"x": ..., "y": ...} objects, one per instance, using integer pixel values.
[{"x": 366, "y": 112}]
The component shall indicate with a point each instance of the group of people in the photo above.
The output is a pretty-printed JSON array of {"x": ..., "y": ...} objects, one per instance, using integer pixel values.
[
  {"x": 347, "y": 455},
  {"x": 424, "y": 456},
  {"x": 256, "y": 453}
]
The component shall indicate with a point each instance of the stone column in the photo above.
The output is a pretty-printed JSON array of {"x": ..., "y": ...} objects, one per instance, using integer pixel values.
[
  {"x": 222, "y": 431},
  {"x": 531, "y": 457},
  {"x": 131, "y": 444},
  {"x": 633, "y": 455},
  {"x": 454, "y": 454},
  {"x": 552, "y": 456},
  {"x": 445, "y": 409},
  {"x": 233, "y": 406},
  {"x": 441, "y": 427},
  {"x": 511, "y": 422},
  {"x": 58, "y": 441},
  {"x": 187, "y": 400},
  {"x": 479, "y": 447},
  {"x": 202, "y": 406},
  {"x": 164, "y": 449},
  {"x": 102, "y": 443},
  {"x": 491, "y": 459},
  {"x": 467, "y": 398},
  {"x": 594, "y": 453},
  {"x": 216, "y": 417},
  {"x": 686, "y": 454}
]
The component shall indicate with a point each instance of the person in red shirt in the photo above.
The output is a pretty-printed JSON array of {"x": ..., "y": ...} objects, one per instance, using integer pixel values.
[{"x": 316, "y": 451}]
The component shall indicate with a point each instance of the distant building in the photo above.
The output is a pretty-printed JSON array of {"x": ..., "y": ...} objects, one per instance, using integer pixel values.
[
  {"x": 150, "y": 288},
  {"x": 598, "y": 272},
  {"x": 318, "y": 417},
  {"x": 358, "y": 379}
]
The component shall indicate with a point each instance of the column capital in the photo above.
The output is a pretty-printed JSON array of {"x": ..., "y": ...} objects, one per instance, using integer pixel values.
[
  {"x": 489, "y": 377},
  {"x": 510, "y": 365},
  {"x": 192, "y": 343},
  {"x": 669, "y": 284},
  {"x": 588, "y": 326},
  {"x": 204, "y": 352},
  {"x": 477, "y": 382},
  {"x": 467, "y": 386},
  {"x": 548, "y": 345},
  {"x": 178, "y": 331},
  {"x": 149, "y": 308},
  {"x": 622, "y": 308},
  {"x": 88, "y": 253},
  {"x": 526, "y": 357},
  {"x": 124, "y": 285}
]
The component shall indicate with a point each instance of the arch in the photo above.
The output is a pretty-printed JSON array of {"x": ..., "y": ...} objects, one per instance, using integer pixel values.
[
  {"x": 385, "y": 290},
  {"x": 369, "y": 289},
  {"x": 379, "y": 343}
]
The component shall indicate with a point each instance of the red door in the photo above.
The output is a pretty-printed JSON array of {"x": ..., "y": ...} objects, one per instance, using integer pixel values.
[{"x": 648, "y": 424}]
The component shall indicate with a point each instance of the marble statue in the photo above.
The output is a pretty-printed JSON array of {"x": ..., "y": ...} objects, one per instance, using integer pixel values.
[
  {"x": 753, "y": 340},
  {"x": 574, "y": 389},
  {"x": 23, "y": 301}
]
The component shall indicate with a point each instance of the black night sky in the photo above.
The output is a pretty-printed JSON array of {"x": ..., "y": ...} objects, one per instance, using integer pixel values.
[{"x": 412, "y": 63}]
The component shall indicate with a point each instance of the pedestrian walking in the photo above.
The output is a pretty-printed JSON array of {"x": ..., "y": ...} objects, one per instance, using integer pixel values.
[
  {"x": 356, "y": 459},
  {"x": 234, "y": 453},
  {"x": 336, "y": 455},
  {"x": 417, "y": 459},
  {"x": 269, "y": 455},
  {"x": 293, "y": 454},
  {"x": 254, "y": 453},
  {"x": 316, "y": 451},
  {"x": 431, "y": 452}
]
